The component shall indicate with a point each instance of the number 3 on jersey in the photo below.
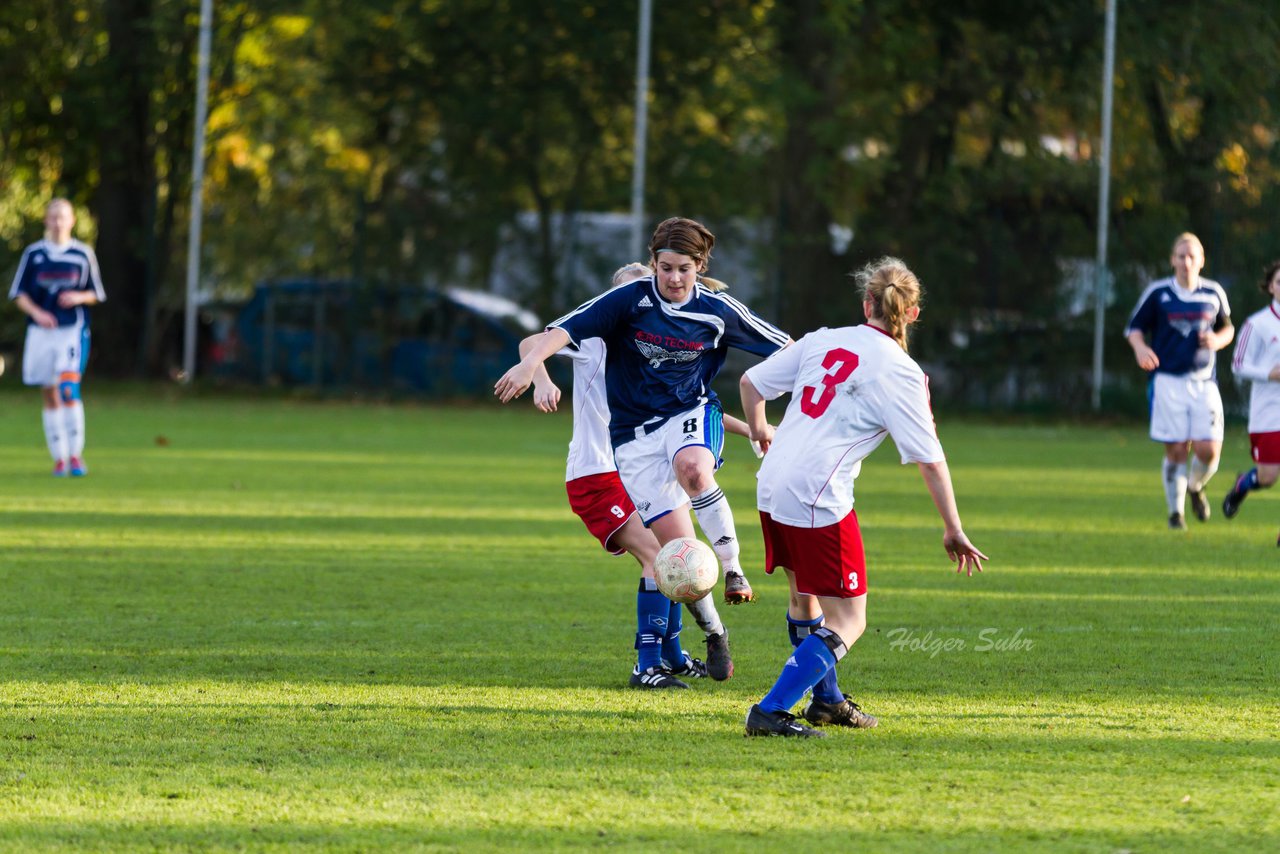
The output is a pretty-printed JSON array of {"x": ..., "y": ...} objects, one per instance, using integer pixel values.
[{"x": 839, "y": 364}]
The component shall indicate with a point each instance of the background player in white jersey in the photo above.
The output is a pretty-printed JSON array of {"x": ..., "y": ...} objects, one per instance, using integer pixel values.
[
  {"x": 666, "y": 338},
  {"x": 850, "y": 387},
  {"x": 1187, "y": 320},
  {"x": 56, "y": 282},
  {"x": 597, "y": 496},
  {"x": 1257, "y": 359}
]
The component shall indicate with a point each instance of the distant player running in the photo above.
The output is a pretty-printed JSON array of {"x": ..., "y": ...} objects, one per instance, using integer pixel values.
[
  {"x": 1257, "y": 359},
  {"x": 56, "y": 282},
  {"x": 1187, "y": 320},
  {"x": 597, "y": 496},
  {"x": 850, "y": 387},
  {"x": 667, "y": 338}
]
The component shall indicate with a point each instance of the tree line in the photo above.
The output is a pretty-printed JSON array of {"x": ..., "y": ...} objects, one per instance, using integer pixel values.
[{"x": 391, "y": 140}]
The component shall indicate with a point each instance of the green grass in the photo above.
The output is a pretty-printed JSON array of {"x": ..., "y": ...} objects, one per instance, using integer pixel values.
[{"x": 298, "y": 625}]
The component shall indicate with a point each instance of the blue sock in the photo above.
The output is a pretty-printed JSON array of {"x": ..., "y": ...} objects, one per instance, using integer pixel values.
[
  {"x": 1248, "y": 481},
  {"x": 672, "y": 652},
  {"x": 652, "y": 612},
  {"x": 802, "y": 671},
  {"x": 827, "y": 690}
]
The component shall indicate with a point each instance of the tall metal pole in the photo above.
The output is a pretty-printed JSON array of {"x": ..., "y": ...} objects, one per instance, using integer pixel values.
[
  {"x": 197, "y": 193},
  {"x": 641, "y": 131},
  {"x": 1104, "y": 205}
]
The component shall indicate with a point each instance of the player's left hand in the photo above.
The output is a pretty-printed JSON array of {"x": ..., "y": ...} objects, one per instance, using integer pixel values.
[
  {"x": 546, "y": 397},
  {"x": 965, "y": 554},
  {"x": 70, "y": 299}
]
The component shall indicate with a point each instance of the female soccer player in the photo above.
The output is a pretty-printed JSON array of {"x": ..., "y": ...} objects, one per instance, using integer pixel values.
[
  {"x": 1188, "y": 320},
  {"x": 1257, "y": 358},
  {"x": 666, "y": 339},
  {"x": 598, "y": 498},
  {"x": 56, "y": 282},
  {"x": 850, "y": 387}
]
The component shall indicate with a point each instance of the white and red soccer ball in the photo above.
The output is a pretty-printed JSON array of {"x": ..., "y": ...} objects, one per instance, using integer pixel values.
[{"x": 686, "y": 569}]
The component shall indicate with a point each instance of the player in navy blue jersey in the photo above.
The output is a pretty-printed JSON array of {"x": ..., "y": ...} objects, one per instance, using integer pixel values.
[
  {"x": 56, "y": 282},
  {"x": 1177, "y": 327},
  {"x": 666, "y": 338}
]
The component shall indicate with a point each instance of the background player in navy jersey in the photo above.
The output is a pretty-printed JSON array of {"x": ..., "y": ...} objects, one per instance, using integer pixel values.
[
  {"x": 1177, "y": 327},
  {"x": 667, "y": 338},
  {"x": 56, "y": 282},
  {"x": 850, "y": 387},
  {"x": 597, "y": 496},
  {"x": 1257, "y": 359}
]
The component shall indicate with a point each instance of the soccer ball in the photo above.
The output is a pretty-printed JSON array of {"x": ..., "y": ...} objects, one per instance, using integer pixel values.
[{"x": 686, "y": 569}]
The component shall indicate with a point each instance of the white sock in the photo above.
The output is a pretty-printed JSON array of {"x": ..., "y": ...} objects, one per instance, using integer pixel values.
[
  {"x": 74, "y": 425},
  {"x": 716, "y": 520},
  {"x": 1175, "y": 485},
  {"x": 706, "y": 616},
  {"x": 1199, "y": 475},
  {"x": 54, "y": 435}
]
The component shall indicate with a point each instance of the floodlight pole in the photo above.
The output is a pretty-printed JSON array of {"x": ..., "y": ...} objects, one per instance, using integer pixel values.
[
  {"x": 1104, "y": 204},
  {"x": 197, "y": 194},
  {"x": 641, "y": 130}
]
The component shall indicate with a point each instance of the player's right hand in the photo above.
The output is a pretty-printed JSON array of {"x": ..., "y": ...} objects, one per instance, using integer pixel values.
[
  {"x": 1147, "y": 359},
  {"x": 45, "y": 320},
  {"x": 513, "y": 383},
  {"x": 546, "y": 397}
]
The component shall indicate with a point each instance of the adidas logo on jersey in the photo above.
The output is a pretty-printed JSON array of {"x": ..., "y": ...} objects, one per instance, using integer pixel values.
[{"x": 644, "y": 302}]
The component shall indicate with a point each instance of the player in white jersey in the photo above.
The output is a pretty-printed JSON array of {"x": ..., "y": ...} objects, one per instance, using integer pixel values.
[
  {"x": 56, "y": 282},
  {"x": 1177, "y": 327},
  {"x": 597, "y": 496},
  {"x": 850, "y": 387},
  {"x": 1257, "y": 359}
]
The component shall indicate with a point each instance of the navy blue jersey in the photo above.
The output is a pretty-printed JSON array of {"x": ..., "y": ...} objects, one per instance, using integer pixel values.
[
  {"x": 1172, "y": 318},
  {"x": 662, "y": 357},
  {"x": 47, "y": 269}
]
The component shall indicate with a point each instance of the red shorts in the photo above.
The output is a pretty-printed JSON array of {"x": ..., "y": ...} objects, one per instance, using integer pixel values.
[
  {"x": 602, "y": 504},
  {"x": 1266, "y": 448},
  {"x": 825, "y": 561}
]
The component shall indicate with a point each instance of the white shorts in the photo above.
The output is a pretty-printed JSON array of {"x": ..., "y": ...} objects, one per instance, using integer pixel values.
[
  {"x": 1185, "y": 409},
  {"x": 644, "y": 464},
  {"x": 51, "y": 352}
]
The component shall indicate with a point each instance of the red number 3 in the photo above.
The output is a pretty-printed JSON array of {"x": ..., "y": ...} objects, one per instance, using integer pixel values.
[{"x": 844, "y": 363}]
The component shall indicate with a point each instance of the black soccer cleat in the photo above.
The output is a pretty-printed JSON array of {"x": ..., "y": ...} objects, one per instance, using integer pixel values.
[
  {"x": 1231, "y": 504},
  {"x": 719, "y": 662},
  {"x": 1176, "y": 522},
  {"x": 737, "y": 589},
  {"x": 654, "y": 679},
  {"x": 760, "y": 722},
  {"x": 845, "y": 713},
  {"x": 690, "y": 668},
  {"x": 1199, "y": 505}
]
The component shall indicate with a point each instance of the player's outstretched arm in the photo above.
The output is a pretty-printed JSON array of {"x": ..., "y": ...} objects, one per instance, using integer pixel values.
[
  {"x": 513, "y": 383},
  {"x": 546, "y": 394},
  {"x": 740, "y": 428},
  {"x": 937, "y": 477}
]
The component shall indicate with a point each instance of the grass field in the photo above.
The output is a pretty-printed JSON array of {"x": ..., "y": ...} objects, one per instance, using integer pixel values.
[{"x": 275, "y": 625}]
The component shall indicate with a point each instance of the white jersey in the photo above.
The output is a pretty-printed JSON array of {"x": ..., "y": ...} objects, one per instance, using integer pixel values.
[
  {"x": 1257, "y": 352},
  {"x": 850, "y": 387},
  {"x": 590, "y": 451}
]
